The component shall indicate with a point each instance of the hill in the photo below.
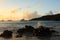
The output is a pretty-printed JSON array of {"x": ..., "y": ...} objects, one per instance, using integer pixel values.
[{"x": 55, "y": 17}]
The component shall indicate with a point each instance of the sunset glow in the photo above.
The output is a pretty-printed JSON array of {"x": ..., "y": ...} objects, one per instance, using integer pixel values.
[{"x": 26, "y": 9}]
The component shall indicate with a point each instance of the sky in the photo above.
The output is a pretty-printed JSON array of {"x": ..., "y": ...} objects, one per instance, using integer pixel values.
[{"x": 27, "y": 9}]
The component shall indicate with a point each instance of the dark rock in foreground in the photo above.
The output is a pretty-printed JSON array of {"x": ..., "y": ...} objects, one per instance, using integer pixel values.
[
  {"x": 42, "y": 31},
  {"x": 20, "y": 32},
  {"x": 6, "y": 34},
  {"x": 30, "y": 31}
]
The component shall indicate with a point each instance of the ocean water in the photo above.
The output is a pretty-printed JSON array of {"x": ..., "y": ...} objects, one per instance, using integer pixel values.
[{"x": 15, "y": 25}]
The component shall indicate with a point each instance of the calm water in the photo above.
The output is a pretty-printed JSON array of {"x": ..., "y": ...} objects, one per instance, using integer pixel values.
[{"x": 14, "y": 25}]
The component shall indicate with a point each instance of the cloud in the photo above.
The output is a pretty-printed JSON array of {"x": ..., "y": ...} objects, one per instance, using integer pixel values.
[
  {"x": 18, "y": 14},
  {"x": 15, "y": 10},
  {"x": 30, "y": 14}
]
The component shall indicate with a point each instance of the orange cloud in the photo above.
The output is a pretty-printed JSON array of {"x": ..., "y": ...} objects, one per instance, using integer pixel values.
[
  {"x": 30, "y": 14},
  {"x": 10, "y": 14},
  {"x": 15, "y": 10},
  {"x": 14, "y": 15}
]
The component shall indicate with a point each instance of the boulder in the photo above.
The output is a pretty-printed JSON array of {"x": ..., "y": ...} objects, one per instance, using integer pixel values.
[{"x": 6, "y": 34}]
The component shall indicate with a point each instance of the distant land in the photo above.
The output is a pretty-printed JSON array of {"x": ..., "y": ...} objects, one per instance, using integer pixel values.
[{"x": 55, "y": 17}]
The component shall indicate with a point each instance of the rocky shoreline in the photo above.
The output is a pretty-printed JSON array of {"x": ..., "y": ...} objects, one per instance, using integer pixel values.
[{"x": 29, "y": 31}]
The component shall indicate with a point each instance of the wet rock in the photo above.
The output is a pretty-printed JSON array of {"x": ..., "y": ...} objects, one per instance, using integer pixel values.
[
  {"x": 17, "y": 36},
  {"x": 20, "y": 32},
  {"x": 6, "y": 34},
  {"x": 43, "y": 31}
]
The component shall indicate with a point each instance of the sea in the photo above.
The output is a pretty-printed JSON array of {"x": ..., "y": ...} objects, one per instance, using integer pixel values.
[{"x": 15, "y": 25}]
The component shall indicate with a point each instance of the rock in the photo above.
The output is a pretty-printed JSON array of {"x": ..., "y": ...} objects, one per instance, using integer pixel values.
[
  {"x": 6, "y": 34},
  {"x": 43, "y": 31},
  {"x": 20, "y": 32},
  {"x": 17, "y": 36}
]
